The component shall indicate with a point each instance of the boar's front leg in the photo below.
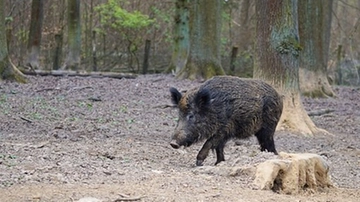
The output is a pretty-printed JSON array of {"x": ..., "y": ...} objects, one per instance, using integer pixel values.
[
  {"x": 220, "y": 152},
  {"x": 216, "y": 142}
]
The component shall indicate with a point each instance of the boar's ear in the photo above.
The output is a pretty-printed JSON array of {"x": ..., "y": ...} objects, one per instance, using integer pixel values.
[
  {"x": 202, "y": 99},
  {"x": 175, "y": 95}
]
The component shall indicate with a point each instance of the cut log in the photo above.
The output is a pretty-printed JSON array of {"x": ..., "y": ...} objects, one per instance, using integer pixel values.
[
  {"x": 293, "y": 173},
  {"x": 80, "y": 74}
]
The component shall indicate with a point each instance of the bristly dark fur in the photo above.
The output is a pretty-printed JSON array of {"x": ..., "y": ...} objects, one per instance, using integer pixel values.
[
  {"x": 175, "y": 95},
  {"x": 227, "y": 107}
]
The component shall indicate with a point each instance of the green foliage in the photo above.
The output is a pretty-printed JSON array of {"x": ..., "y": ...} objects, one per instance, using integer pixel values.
[
  {"x": 116, "y": 17},
  {"x": 162, "y": 15},
  {"x": 22, "y": 35},
  {"x": 164, "y": 18},
  {"x": 9, "y": 19},
  {"x": 286, "y": 43}
]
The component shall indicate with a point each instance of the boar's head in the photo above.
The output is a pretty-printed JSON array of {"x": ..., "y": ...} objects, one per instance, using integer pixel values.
[{"x": 194, "y": 108}]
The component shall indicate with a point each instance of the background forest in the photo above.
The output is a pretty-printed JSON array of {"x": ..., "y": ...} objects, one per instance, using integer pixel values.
[
  {"x": 67, "y": 137},
  {"x": 114, "y": 35}
]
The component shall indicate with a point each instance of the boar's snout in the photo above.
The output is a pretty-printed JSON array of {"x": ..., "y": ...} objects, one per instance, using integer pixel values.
[{"x": 174, "y": 144}]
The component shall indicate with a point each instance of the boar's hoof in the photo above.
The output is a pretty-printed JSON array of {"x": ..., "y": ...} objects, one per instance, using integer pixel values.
[
  {"x": 199, "y": 162},
  {"x": 174, "y": 145}
]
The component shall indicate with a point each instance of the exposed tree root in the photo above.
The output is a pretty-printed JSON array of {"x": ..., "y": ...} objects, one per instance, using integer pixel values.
[
  {"x": 314, "y": 85},
  {"x": 294, "y": 118},
  {"x": 11, "y": 72}
]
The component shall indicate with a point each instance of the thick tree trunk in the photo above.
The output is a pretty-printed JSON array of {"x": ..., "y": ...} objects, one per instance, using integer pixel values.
[
  {"x": 33, "y": 48},
  {"x": 205, "y": 30},
  {"x": 181, "y": 44},
  {"x": 72, "y": 60},
  {"x": 314, "y": 31},
  {"x": 276, "y": 61},
  {"x": 8, "y": 71}
]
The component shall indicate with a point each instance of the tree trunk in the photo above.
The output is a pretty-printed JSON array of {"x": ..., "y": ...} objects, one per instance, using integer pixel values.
[
  {"x": 72, "y": 60},
  {"x": 205, "y": 31},
  {"x": 234, "y": 52},
  {"x": 314, "y": 32},
  {"x": 57, "y": 50},
  {"x": 244, "y": 33},
  {"x": 146, "y": 56},
  {"x": 33, "y": 48},
  {"x": 8, "y": 71},
  {"x": 181, "y": 39},
  {"x": 276, "y": 61},
  {"x": 94, "y": 49}
]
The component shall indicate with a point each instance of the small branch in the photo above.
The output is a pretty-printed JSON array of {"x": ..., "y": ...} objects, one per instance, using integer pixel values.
[
  {"x": 81, "y": 87},
  {"x": 163, "y": 106},
  {"x": 78, "y": 88},
  {"x": 25, "y": 119},
  {"x": 47, "y": 89},
  {"x": 129, "y": 199},
  {"x": 320, "y": 112}
]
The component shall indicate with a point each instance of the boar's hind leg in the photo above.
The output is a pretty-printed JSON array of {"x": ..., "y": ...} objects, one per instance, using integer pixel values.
[
  {"x": 216, "y": 142},
  {"x": 265, "y": 137}
]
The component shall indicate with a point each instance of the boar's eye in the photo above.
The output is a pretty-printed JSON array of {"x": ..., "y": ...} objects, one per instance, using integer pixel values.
[{"x": 190, "y": 117}]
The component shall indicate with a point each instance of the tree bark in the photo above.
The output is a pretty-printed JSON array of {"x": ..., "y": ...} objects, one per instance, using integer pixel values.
[
  {"x": 33, "y": 48},
  {"x": 314, "y": 32},
  {"x": 57, "y": 50},
  {"x": 146, "y": 56},
  {"x": 244, "y": 33},
  {"x": 205, "y": 31},
  {"x": 181, "y": 41},
  {"x": 234, "y": 52},
  {"x": 8, "y": 70},
  {"x": 72, "y": 60},
  {"x": 276, "y": 61},
  {"x": 94, "y": 49}
]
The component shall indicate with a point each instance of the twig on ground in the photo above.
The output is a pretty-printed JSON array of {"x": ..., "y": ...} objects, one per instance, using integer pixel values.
[
  {"x": 47, "y": 89},
  {"x": 129, "y": 199},
  {"x": 320, "y": 112},
  {"x": 163, "y": 106},
  {"x": 81, "y": 87},
  {"x": 25, "y": 119},
  {"x": 125, "y": 197}
]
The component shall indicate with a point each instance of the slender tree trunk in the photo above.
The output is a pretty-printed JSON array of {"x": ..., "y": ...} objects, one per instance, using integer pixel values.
[
  {"x": 314, "y": 31},
  {"x": 181, "y": 39},
  {"x": 57, "y": 51},
  {"x": 205, "y": 31},
  {"x": 146, "y": 56},
  {"x": 72, "y": 60},
  {"x": 94, "y": 49},
  {"x": 234, "y": 52},
  {"x": 276, "y": 61},
  {"x": 33, "y": 48},
  {"x": 244, "y": 33},
  {"x": 8, "y": 71}
]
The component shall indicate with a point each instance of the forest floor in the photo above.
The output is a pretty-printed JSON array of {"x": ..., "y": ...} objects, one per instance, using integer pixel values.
[{"x": 65, "y": 138}]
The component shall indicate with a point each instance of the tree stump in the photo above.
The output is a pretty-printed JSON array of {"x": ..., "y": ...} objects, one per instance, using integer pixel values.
[{"x": 293, "y": 173}]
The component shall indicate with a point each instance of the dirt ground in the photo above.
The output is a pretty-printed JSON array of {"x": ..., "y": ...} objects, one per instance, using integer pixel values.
[{"x": 62, "y": 139}]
